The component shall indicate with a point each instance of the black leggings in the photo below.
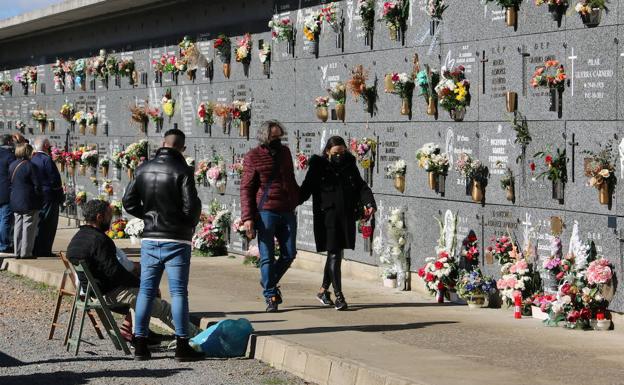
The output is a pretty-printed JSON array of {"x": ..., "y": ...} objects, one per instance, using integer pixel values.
[{"x": 332, "y": 271}]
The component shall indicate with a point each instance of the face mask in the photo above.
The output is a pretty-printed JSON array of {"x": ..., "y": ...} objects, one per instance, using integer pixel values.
[
  {"x": 337, "y": 159},
  {"x": 275, "y": 144}
]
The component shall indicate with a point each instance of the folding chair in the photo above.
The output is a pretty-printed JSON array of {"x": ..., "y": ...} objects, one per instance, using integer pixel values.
[
  {"x": 69, "y": 279},
  {"x": 93, "y": 300}
]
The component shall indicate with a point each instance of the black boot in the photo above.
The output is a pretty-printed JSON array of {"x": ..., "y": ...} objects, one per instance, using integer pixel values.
[
  {"x": 141, "y": 351},
  {"x": 340, "y": 302},
  {"x": 184, "y": 352}
]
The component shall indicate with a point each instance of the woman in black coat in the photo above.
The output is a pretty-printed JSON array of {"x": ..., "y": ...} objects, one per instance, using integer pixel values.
[{"x": 339, "y": 199}]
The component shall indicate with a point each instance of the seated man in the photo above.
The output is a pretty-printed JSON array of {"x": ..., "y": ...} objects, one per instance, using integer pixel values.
[{"x": 118, "y": 285}]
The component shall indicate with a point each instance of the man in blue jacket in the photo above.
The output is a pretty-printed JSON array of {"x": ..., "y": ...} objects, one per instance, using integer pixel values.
[
  {"x": 6, "y": 216},
  {"x": 52, "y": 190}
]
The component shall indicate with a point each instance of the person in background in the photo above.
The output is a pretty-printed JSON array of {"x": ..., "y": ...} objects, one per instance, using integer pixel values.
[
  {"x": 25, "y": 201},
  {"x": 18, "y": 138},
  {"x": 334, "y": 182},
  {"x": 269, "y": 195},
  {"x": 52, "y": 190},
  {"x": 163, "y": 194},
  {"x": 7, "y": 157}
]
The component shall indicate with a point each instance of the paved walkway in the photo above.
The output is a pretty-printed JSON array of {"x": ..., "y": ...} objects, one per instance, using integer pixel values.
[{"x": 391, "y": 337}]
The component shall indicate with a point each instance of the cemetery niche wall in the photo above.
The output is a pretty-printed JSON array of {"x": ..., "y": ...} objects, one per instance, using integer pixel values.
[{"x": 535, "y": 83}]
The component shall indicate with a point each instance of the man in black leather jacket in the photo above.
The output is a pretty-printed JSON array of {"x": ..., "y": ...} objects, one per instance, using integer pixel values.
[{"x": 163, "y": 194}]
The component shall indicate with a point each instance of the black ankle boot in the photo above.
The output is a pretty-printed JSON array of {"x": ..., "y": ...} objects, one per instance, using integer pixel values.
[
  {"x": 141, "y": 351},
  {"x": 184, "y": 352}
]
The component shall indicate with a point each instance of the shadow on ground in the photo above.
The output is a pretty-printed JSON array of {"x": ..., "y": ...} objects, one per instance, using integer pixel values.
[
  {"x": 355, "y": 328},
  {"x": 73, "y": 378}
]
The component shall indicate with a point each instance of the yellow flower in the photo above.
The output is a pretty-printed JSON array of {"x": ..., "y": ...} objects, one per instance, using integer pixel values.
[
  {"x": 168, "y": 108},
  {"x": 110, "y": 234},
  {"x": 308, "y": 34},
  {"x": 461, "y": 92},
  {"x": 120, "y": 234},
  {"x": 366, "y": 163}
]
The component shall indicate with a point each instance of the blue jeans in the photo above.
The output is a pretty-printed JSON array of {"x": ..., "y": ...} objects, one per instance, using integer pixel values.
[
  {"x": 6, "y": 227},
  {"x": 282, "y": 226},
  {"x": 175, "y": 258}
]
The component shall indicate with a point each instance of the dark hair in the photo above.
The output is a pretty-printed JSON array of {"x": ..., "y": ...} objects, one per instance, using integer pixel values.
[
  {"x": 6, "y": 140},
  {"x": 333, "y": 141},
  {"x": 178, "y": 140},
  {"x": 92, "y": 208}
]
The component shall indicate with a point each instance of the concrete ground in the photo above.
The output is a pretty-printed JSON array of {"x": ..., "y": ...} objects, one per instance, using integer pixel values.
[{"x": 390, "y": 337}]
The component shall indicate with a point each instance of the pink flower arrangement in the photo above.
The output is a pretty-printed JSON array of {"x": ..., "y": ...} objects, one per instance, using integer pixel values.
[
  {"x": 521, "y": 267},
  {"x": 599, "y": 272},
  {"x": 302, "y": 161}
]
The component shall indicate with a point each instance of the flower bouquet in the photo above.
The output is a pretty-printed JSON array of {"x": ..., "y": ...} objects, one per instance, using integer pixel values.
[
  {"x": 366, "y": 10},
  {"x": 502, "y": 249},
  {"x": 511, "y": 10},
  {"x": 551, "y": 76},
  {"x": 41, "y": 117},
  {"x": 427, "y": 80},
  {"x": 134, "y": 155},
  {"x": 397, "y": 171},
  {"x": 155, "y": 115},
  {"x": 454, "y": 92},
  {"x": 104, "y": 165},
  {"x": 80, "y": 118},
  {"x": 365, "y": 151},
  {"x": 395, "y": 14},
  {"x": 189, "y": 57},
  {"x": 6, "y": 87},
  {"x": 517, "y": 278},
  {"x": 90, "y": 159},
  {"x": 243, "y": 52},
  {"x": 107, "y": 187},
  {"x": 556, "y": 170},
  {"x": 211, "y": 238},
  {"x": 79, "y": 71},
  {"x": 403, "y": 85},
  {"x": 139, "y": 116},
  {"x": 217, "y": 176},
  {"x": 27, "y": 77},
  {"x": 555, "y": 7},
  {"x": 590, "y": 11},
  {"x": 265, "y": 58},
  {"x": 395, "y": 256},
  {"x": 301, "y": 161},
  {"x": 282, "y": 30},
  {"x": 67, "y": 111},
  {"x": 435, "y": 163},
  {"x": 117, "y": 229},
  {"x": 475, "y": 173},
  {"x": 338, "y": 92},
  {"x": 205, "y": 116},
  {"x": 117, "y": 160},
  {"x": 321, "y": 103},
  {"x": 126, "y": 68},
  {"x": 600, "y": 169},
  {"x": 238, "y": 166},
  {"x": 241, "y": 116},
  {"x": 357, "y": 86},
  {"x": 81, "y": 198},
  {"x": 224, "y": 49},
  {"x": 474, "y": 288},
  {"x": 440, "y": 274},
  {"x": 469, "y": 254},
  {"x": 312, "y": 27},
  {"x": 117, "y": 208},
  {"x": 58, "y": 71},
  {"x": 96, "y": 67},
  {"x": 252, "y": 255},
  {"x": 238, "y": 226},
  {"x": 223, "y": 111},
  {"x": 201, "y": 173},
  {"x": 435, "y": 9},
  {"x": 134, "y": 228},
  {"x": 71, "y": 159},
  {"x": 56, "y": 153},
  {"x": 92, "y": 120},
  {"x": 168, "y": 104}
]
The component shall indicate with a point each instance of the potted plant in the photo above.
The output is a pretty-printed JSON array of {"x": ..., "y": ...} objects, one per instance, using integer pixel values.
[
  {"x": 243, "y": 52},
  {"x": 403, "y": 85},
  {"x": 556, "y": 170},
  {"x": 439, "y": 274},
  {"x": 357, "y": 86},
  {"x": 366, "y": 10},
  {"x": 397, "y": 171},
  {"x": 474, "y": 288},
  {"x": 395, "y": 14},
  {"x": 223, "y": 47},
  {"x": 454, "y": 92},
  {"x": 600, "y": 169},
  {"x": 435, "y": 9},
  {"x": 511, "y": 10},
  {"x": 134, "y": 229},
  {"x": 211, "y": 238},
  {"x": 241, "y": 115},
  {"x": 339, "y": 94},
  {"x": 321, "y": 103},
  {"x": 427, "y": 80},
  {"x": 282, "y": 30},
  {"x": 205, "y": 115},
  {"x": 590, "y": 11},
  {"x": 551, "y": 76}
]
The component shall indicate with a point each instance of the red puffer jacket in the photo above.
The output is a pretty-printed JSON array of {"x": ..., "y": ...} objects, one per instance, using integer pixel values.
[{"x": 284, "y": 192}]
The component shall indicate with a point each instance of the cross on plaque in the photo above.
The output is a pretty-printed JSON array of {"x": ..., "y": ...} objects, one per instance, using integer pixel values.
[
  {"x": 524, "y": 55},
  {"x": 483, "y": 61},
  {"x": 573, "y": 143},
  {"x": 572, "y": 57}
]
